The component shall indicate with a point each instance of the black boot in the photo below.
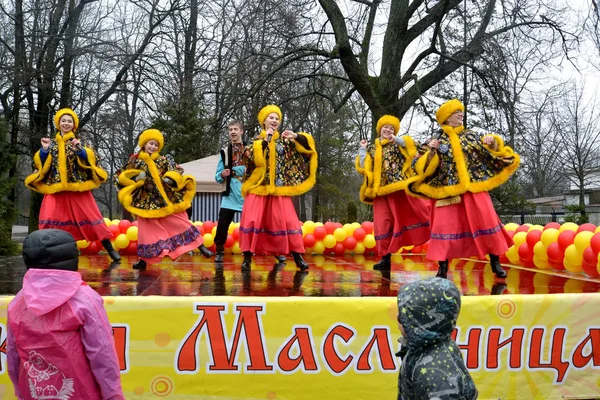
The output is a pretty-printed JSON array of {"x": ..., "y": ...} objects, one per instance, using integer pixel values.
[
  {"x": 443, "y": 269},
  {"x": 300, "y": 263},
  {"x": 280, "y": 259},
  {"x": 247, "y": 263},
  {"x": 220, "y": 254},
  {"x": 141, "y": 264},
  {"x": 496, "y": 267},
  {"x": 385, "y": 264},
  {"x": 109, "y": 249},
  {"x": 205, "y": 251}
]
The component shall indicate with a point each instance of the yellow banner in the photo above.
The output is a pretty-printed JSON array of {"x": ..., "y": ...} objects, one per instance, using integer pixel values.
[{"x": 516, "y": 347}]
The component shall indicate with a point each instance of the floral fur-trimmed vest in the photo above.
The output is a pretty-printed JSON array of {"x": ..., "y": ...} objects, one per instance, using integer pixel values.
[
  {"x": 386, "y": 169},
  {"x": 283, "y": 167},
  {"x": 63, "y": 170},
  {"x": 462, "y": 164},
  {"x": 152, "y": 197}
]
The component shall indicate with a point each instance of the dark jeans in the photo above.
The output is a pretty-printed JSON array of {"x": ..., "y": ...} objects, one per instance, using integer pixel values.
[{"x": 225, "y": 217}]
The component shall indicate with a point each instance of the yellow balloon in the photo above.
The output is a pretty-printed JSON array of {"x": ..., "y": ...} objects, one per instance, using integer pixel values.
[
  {"x": 107, "y": 221},
  {"x": 513, "y": 254},
  {"x": 329, "y": 241},
  {"x": 582, "y": 240},
  {"x": 340, "y": 234},
  {"x": 539, "y": 251},
  {"x": 355, "y": 225},
  {"x": 511, "y": 226},
  {"x": 359, "y": 249},
  {"x": 208, "y": 239},
  {"x": 82, "y": 244},
  {"x": 132, "y": 233},
  {"x": 231, "y": 228},
  {"x": 571, "y": 226},
  {"x": 549, "y": 236},
  {"x": 541, "y": 263},
  {"x": 369, "y": 241},
  {"x": 349, "y": 229},
  {"x": 573, "y": 259},
  {"x": 115, "y": 221},
  {"x": 197, "y": 223},
  {"x": 235, "y": 249},
  {"x": 318, "y": 224},
  {"x": 319, "y": 247},
  {"x": 214, "y": 231},
  {"x": 121, "y": 241},
  {"x": 519, "y": 238},
  {"x": 308, "y": 227},
  {"x": 535, "y": 228}
]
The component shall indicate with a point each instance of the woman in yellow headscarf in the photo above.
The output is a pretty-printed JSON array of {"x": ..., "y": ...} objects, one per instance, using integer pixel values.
[
  {"x": 456, "y": 170},
  {"x": 66, "y": 172},
  {"x": 278, "y": 166},
  {"x": 399, "y": 220},
  {"x": 155, "y": 190}
]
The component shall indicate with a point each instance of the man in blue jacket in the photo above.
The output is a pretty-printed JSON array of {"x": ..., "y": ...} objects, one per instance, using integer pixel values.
[{"x": 230, "y": 170}]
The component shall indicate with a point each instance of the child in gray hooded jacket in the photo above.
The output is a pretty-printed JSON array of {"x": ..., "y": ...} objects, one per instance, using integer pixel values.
[{"x": 432, "y": 364}]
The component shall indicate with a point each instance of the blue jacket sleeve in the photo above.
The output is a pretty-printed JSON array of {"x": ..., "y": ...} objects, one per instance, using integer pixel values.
[
  {"x": 220, "y": 168},
  {"x": 81, "y": 154},
  {"x": 43, "y": 155}
]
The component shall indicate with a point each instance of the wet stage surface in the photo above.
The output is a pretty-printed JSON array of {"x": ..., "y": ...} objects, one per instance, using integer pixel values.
[{"x": 347, "y": 276}]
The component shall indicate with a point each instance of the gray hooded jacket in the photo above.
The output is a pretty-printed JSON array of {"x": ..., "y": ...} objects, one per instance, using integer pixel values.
[{"x": 432, "y": 364}]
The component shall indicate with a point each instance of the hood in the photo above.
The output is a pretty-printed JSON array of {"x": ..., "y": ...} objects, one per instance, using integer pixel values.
[
  {"x": 428, "y": 311},
  {"x": 47, "y": 289}
]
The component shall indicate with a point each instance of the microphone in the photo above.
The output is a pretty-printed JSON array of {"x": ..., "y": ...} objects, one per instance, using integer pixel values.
[{"x": 269, "y": 135}]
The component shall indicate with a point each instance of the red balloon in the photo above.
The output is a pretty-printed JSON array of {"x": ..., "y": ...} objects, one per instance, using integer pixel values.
[
  {"x": 589, "y": 256},
  {"x": 504, "y": 259},
  {"x": 417, "y": 250},
  {"x": 309, "y": 240},
  {"x": 131, "y": 248},
  {"x": 236, "y": 233},
  {"x": 557, "y": 265},
  {"x": 554, "y": 225},
  {"x": 124, "y": 225},
  {"x": 532, "y": 238},
  {"x": 590, "y": 268},
  {"x": 595, "y": 243},
  {"x": 114, "y": 229},
  {"x": 134, "y": 223},
  {"x": 95, "y": 246},
  {"x": 555, "y": 253},
  {"x": 320, "y": 232},
  {"x": 349, "y": 243},
  {"x": 565, "y": 239},
  {"x": 330, "y": 227},
  {"x": 367, "y": 226},
  {"x": 208, "y": 225},
  {"x": 339, "y": 249},
  {"x": 522, "y": 228},
  {"x": 359, "y": 234},
  {"x": 525, "y": 253},
  {"x": 511, "y": 233},
  {"x": 229, "y": 241},
  {"x": 586, "y": 227}
]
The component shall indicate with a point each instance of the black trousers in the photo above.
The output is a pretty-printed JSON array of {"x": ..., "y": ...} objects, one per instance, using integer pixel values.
[{"x": 225, "y": 217}]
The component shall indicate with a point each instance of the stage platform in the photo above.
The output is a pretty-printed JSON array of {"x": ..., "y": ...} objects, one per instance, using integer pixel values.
[
  {"x": 328, "y": 276},
  {"x": 192, "y": 329}
]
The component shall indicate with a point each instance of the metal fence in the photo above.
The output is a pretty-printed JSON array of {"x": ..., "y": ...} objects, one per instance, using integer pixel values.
[{"x": 532, "y": 218}]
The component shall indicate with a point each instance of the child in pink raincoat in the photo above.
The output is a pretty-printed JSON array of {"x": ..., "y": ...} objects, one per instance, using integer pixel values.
[{"x": 59, "y": 341}]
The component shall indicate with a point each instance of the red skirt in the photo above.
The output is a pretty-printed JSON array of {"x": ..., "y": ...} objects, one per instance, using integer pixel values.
[
  {"x": 270, "y": 225},
  {"x": 400, "y": 220},
  {"x": 171, "y": 236},
  {"x": 469, "y": 228},
  {"x": 74, "y": 212}
]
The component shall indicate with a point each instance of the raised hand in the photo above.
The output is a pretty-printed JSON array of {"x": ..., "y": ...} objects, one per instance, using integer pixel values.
[
  {"x": 364, "y": 143},
  {"x": 225, "y": 172},
  {"x": 45, "y": 143},
  {"x": 434, "y": 143},
  {"x": 140, "y": 177},
  {"x": 289, "y": 134}
]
